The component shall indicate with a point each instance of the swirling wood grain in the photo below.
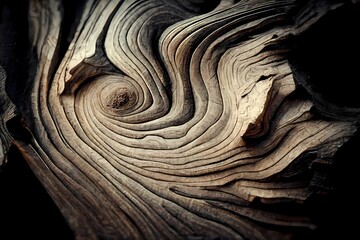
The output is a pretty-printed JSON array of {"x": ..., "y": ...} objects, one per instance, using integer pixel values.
[{"x": 165, "y": 121}]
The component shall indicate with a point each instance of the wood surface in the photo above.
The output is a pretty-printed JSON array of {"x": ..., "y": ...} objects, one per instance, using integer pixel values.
[{"x": 176, "y": 119}]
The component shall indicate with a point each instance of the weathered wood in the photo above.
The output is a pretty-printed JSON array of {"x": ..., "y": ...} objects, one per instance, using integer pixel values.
[
  {"x": 7, "y": 112},
  {"x": 164, "y": 120}
]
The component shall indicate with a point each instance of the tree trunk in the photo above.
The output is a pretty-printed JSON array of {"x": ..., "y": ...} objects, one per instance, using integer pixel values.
[{"x": 176, "y": 119}]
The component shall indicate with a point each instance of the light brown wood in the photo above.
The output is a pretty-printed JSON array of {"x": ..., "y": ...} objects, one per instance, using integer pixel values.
[{"x": 165, "y": 122}]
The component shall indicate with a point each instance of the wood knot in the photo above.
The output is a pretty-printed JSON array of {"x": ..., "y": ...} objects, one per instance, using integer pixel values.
[{"x": 120, "y": 98}]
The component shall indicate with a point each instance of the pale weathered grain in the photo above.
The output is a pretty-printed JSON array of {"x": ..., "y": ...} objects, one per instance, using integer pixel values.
[{"x": 160, "y": 122}]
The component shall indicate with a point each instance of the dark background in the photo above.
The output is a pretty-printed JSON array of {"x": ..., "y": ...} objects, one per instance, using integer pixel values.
[{"x": 329, "y": 54}]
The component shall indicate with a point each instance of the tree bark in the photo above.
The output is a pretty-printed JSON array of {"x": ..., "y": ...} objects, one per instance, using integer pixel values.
[{"x": 176, "y": 119}]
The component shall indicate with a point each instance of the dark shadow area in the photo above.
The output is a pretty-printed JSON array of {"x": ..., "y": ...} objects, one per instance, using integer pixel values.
[
  {"x": 14, "y": 47},
  {"x": 335, "y": 213},
  {"x": 328, "y": 55},
  {"x": 27, "y": 211}
]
